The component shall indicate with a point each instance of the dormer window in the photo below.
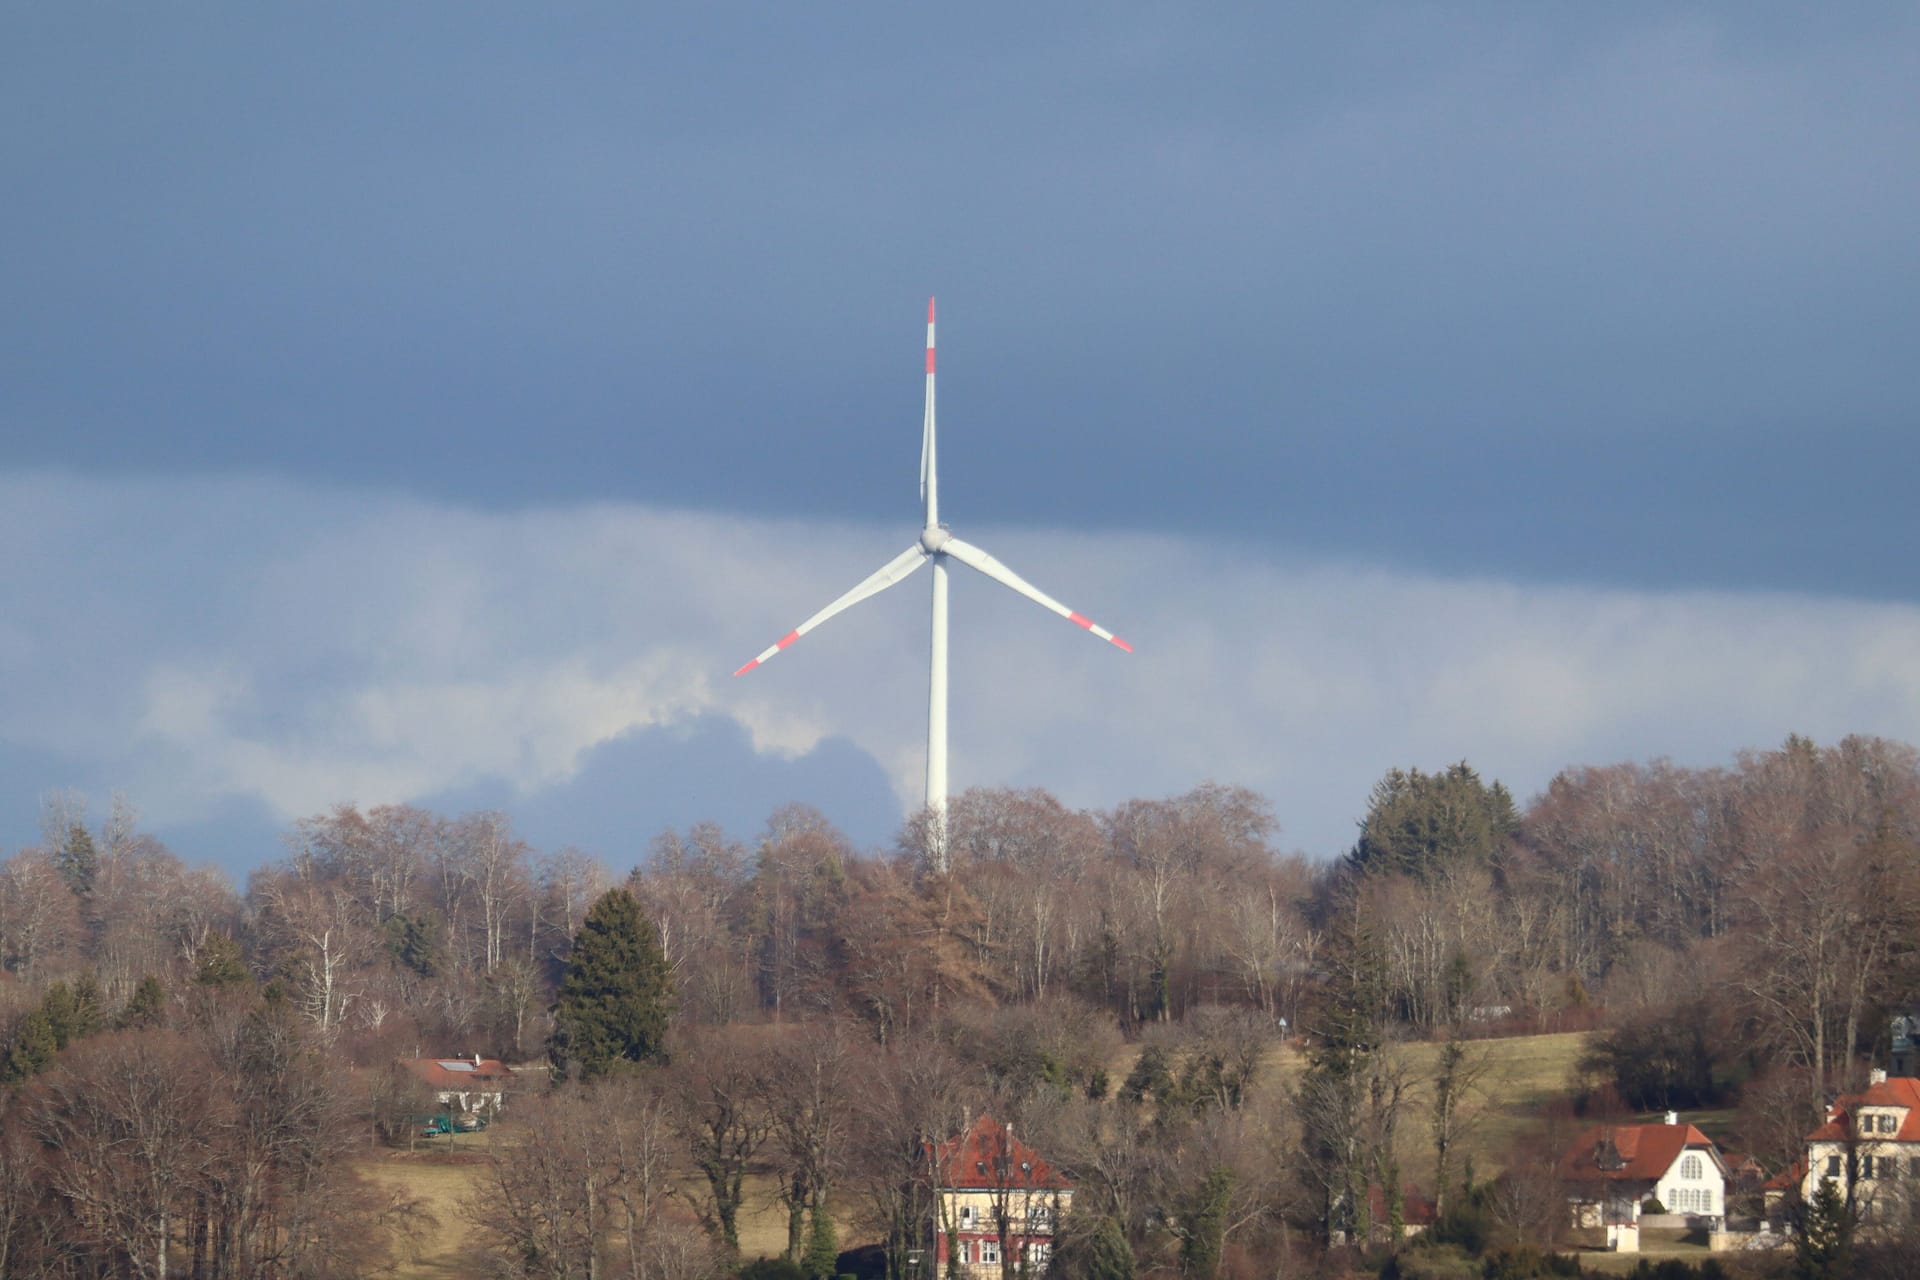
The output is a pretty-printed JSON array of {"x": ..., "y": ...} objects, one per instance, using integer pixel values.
[{"x": 1889, "y": 1124}]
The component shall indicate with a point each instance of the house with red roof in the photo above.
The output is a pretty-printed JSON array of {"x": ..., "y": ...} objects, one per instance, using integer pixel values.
[
  {"x": 1871, "y": 1139},
  {"x": 1614, "y": 1169},
  {"x": 473, "y": 1084},
  {"x": 997, "y": 1203},
  {"x": 1417, "y": 1212}
]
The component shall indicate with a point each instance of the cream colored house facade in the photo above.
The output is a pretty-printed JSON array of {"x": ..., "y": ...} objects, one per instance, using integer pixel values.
[
  {"x": 1872, "y": 1138},
  {"x": 998, "y": 1205}
]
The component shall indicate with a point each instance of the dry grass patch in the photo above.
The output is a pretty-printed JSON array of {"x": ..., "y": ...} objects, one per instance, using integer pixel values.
[
  {"x": 444, "y": 1184},
  {"x": 1524, "y": 1074}
]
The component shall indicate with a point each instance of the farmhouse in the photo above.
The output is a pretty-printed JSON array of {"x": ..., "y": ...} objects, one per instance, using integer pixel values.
[
  {"x": 996, "y": 1200},
  {"x": 1613, "y": 1170},
  {"x": 473, "y": 1084}
]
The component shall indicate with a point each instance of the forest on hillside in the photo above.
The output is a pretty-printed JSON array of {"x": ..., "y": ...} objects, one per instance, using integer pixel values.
[{"x": 190, "y": 1070}]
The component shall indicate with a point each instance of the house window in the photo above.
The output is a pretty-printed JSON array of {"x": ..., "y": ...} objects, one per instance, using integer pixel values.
[
  {"x": 990, "y": 1252},
  {"x": 1038, "y": 1252},
  {"x": 1040, "y": 1216},
  {"x": 1887, "y": 1124},
  {"x": 1890, "y": 1167},
  {"x": 1690, "y": 1168},
  {"x": 1833, "y": 1166},
  {"x": 966, "y": 1253},
  {"x": 1866, "y": 1166},
  {"x": 966, "y": 1216}
]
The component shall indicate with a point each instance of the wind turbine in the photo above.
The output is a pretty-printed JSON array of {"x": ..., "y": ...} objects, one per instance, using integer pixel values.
[{"x": 935, "y": 545}]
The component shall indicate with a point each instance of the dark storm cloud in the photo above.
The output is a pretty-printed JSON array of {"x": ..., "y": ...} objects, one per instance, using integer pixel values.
[{"x": 1612, "y": 293}]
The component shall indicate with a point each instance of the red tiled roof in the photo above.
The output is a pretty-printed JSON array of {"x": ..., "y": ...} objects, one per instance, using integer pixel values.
[
  {"x": 1632, "y": 1152},
  {"x": 463, "y": 1074},
  {"x": 1788, "y": 1178},
  {"x": 1415, "y": 1209},
  {"x": 988, "y": 1155},
  {"x": 1896, "y": 1091}
]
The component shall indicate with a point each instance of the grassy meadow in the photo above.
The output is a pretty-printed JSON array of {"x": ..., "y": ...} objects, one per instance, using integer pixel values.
[{"x": 1523, "y": 1074}]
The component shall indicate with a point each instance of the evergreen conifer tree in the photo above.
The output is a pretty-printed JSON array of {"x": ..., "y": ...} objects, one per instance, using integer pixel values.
[
  {"x": 1204, "y": 1236},
  {"x": 220, "y": 963},
  {"x": 1100, "y": 1252},
  {"x": 616, "y": 995},
  {"x": 77, "y": 861},
  {"x": 1418, "y": 823},
  {"x": 61, "y": 1013},
  {"x": 31, "y": 1050},
  {"x": 1823, "y": 1248},
  {"x": 822, "y": 1256},
  {"x": 146, "y": 1007},
  {"x": 86, "y": 1006}
]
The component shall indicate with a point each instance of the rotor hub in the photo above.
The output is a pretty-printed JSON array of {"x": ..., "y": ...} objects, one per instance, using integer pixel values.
[{"x": 934, "y": 537}]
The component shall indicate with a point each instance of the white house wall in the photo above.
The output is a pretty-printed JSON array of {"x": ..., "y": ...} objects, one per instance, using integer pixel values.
[{"x": 1704, "y": 1192}]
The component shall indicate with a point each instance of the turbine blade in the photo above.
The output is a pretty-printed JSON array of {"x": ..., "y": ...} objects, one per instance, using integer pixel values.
[
  {"x": 891, "y": 572},
  {"x": 929, "y": 480},
  {"x": 974, "y": 558}
]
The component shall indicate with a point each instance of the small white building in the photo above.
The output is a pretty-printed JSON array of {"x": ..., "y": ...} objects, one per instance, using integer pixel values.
[
  {"x": 1614, "y": 1169},
  {"x": 472, "y": 1085}
]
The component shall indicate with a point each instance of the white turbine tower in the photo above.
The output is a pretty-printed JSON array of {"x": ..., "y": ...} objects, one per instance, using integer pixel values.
[{"x": 935, "y": 544}]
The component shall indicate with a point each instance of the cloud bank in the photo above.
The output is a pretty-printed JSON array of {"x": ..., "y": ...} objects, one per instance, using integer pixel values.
[{"x": 219, "y": 642}]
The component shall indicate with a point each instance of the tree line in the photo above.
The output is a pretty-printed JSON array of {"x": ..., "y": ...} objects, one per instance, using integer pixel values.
[{"x": 1742, "y": 927}]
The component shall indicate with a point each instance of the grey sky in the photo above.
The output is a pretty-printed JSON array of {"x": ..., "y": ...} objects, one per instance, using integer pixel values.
[{"x": 1566, "y": 297}]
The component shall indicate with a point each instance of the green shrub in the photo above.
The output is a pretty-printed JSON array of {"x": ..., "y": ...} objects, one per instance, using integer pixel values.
[
  {"x": 772, "y": 1269},
  {"x": 1432, "y": 1262}
]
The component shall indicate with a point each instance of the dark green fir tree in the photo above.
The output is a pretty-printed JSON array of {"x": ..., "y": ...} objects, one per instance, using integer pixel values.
[
  {"x": 146, "y": 1007},
  {"x": 821, "y": 1258},
  {"x": 616, "y": 995},
  {"x": 220, "y": 963},
  {"x": 1092, "y": 1251},
  {"x": 30, "y": 1051},
  {"x": 77, "y": 861}
]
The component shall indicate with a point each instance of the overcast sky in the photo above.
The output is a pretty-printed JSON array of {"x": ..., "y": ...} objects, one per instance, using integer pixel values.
[{"x": 437, "y": 403}]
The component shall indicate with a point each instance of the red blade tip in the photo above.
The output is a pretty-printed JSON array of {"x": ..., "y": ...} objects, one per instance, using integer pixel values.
[
  {"x": 750, "y": 666},
  {"x": 929, "y": 310}
]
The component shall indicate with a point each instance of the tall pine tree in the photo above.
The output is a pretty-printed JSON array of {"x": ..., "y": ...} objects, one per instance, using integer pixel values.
[
  {"x": 616, "y": 995},
  {"x": 77, "y": 861}
]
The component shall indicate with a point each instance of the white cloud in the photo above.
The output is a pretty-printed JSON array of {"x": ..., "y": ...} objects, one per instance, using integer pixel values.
[{"x": 303, "y": 647}]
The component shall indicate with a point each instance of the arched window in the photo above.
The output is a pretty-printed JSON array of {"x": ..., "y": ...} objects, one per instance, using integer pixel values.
[{"x": 1690, "y": 1168}]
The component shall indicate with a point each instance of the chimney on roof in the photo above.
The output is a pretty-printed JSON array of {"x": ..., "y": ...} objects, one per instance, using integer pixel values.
[
  {"x": 1876, "y": 1076},
  {"x": 476, "y": 1059},
  {"x": 1673, "y": 1117}
]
